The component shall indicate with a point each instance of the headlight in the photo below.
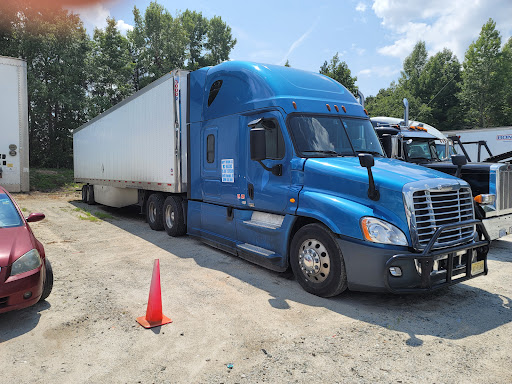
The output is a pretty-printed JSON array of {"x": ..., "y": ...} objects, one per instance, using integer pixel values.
[
  {"x": 379, "y": 231},
  {"x": 485, "y": 199},
  {"x": 29, "y": 261}
]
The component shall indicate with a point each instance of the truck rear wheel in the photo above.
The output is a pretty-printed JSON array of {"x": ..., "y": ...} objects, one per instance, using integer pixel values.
[
  {"x": 317, "y": 261},
  {"x": 85, "y": 193},
  {"x": 90, "y": 195},
  {"x": 174, "y": 219},
  {"x": 154, "y": 211}
]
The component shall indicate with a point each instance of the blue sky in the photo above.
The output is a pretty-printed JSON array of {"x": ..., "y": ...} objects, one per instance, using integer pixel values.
[{"x": 371, "y": 36}]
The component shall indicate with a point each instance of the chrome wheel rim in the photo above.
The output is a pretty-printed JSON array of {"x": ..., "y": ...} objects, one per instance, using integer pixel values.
[
  {"x": 314, "y": 260},
  {"x": 152, "y": 212},
  {"x": 169, "y": 216}
]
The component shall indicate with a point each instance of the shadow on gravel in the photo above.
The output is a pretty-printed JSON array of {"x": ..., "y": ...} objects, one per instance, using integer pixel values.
[
  {"x": 452, "y": 313},
  {"x": 17, "y": 323}
]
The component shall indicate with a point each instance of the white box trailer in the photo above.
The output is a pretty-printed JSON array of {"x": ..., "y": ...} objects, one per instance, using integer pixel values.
[
  {"x": 14, "y": 151},
  {"x": 499, "y": 140},
  {"x": 136, "y": 145}
]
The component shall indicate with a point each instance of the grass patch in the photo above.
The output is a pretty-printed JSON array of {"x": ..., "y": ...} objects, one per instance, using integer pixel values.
[
  {"x": 52, "y": 180},
  {"x": 92, "y": 216}
]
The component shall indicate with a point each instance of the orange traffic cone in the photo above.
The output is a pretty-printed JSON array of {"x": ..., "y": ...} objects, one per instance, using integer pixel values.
[{"x": 154, "y": 316}]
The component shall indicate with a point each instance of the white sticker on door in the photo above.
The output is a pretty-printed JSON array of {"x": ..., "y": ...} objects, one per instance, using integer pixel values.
[{"x": 228, "y": 170}]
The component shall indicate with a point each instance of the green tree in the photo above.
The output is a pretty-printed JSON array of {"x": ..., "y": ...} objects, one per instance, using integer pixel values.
[
  {"x": 482, "y": 91},
  {"x": 196, "y": 27},
  {"x": 507, "y": 82},
  {"x": 413, "y": 67},
  {"x": 55, "y": 46},
  {"x": 220, "y": 41},
  {"x": 158, "y": 43},
  {"x": 110, "y": 69},
  {"x": 339, "y": 71},
  {"x": 437, "y": 88}
]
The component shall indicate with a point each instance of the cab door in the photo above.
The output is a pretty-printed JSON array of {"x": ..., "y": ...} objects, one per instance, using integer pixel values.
[{"x": 265, "y": 191}]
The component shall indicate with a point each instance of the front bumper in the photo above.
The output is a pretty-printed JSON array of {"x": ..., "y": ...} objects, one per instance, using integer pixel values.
[
  {"x": 367, "y": 265},
  {"x": 12, "y": 289}
]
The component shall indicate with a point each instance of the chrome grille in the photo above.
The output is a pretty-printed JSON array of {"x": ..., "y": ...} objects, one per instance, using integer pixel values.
[
  {"x": 431, "y": 209},
  {"x": 505, "y": 189}
]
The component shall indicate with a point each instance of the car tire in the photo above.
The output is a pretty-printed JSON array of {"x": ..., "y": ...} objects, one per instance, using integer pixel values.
[
  {"x": 48, "y": 280},
  {"x": 154, "y": 211},
  {"x": 85, "y": 193},
  {"x": 90, "y": 195},
  {"x": 317, "y": 261},
  {"x": 174, "y": 219}
]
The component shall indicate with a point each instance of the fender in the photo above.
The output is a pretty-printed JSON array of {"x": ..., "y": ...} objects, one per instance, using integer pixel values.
[{"x": 342, "y": 216}]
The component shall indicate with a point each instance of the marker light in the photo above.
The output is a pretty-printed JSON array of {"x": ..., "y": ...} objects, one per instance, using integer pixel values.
[
  {"x": 294, "y": 104},
  {"x": 328, "y": 107},
  {"x": 344, "y": 109},
  {"x": 336, "y": 108},
  {"x": 485, "y": 199}
]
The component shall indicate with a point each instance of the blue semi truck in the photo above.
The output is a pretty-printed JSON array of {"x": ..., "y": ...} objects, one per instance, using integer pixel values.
[{"x": 281, "y": 167}]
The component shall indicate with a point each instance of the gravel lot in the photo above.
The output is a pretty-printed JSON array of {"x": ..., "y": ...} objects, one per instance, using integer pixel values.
[{"x": 228, "y": 311}]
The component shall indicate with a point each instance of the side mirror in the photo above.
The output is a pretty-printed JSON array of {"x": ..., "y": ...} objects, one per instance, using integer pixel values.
[
  {"x": 366, "y": 160},
  {"x": 33, "y": 217},
  {"x": 258, "y": 144},
  {"x": 459, "y": 161}
]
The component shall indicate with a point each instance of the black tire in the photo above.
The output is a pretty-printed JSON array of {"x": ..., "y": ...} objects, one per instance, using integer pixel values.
[
  {"x": 155, "y": 211},
  {"x": 85, "y": 193},
  {"x": 317, "y": 261},
  {"x": 90, "y": 195},
  {"x": 173, "y": 217},
  {"x": 48, "y": 281}
]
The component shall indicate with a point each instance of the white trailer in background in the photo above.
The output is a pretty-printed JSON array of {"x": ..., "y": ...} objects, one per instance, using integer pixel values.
[
  {"x": 14, "y": 168},
  {"x": 498, "y": 140}
]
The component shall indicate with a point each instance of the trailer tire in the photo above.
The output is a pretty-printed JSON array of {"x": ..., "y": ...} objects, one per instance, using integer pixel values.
[
  {"x": 48, "y": 281},
  {"x": 173, "y": 217},
  {"x": 317, "y": 261},
  {"x": 90, "y": 195},
  {"x": 155, "y": 211},
  {"x": 85, "y": 192}
]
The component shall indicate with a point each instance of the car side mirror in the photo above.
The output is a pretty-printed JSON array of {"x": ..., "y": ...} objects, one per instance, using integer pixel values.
[
  {"x": 33, "y": 217},
  {"x": 258, "y": 144},
  {"x": 367, "y": 161}
]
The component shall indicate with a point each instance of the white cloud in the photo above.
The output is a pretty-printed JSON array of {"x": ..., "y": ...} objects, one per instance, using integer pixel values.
[
  {"x": 123, "y": 27},
  {"x": 376, "y": 71},
  {"x": 298, "y": 42},
  {"x": 441, "y": 24},
  {"x": 359, "y": 51},
  {"x": 361, "y": 7},
  {"x": 94, "y": 16}
]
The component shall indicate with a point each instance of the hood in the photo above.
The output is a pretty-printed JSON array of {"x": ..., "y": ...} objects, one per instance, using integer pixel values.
[
  {"x": 390, "y": 174},
  {"x": 14, "y": 242}
]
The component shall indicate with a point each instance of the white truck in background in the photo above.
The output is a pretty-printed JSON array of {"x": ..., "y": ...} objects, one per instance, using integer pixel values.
[
  {"x": 14, "y": 151},
  {"x": 498, "y": 141}
]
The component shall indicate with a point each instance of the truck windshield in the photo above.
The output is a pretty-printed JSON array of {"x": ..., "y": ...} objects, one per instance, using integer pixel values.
[
  {"x": 421, "y": 151},
  {"x": 320, "y": 136}
]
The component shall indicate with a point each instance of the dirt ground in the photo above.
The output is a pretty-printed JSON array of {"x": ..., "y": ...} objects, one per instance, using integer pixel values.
[{"x": 227, "y": 311}]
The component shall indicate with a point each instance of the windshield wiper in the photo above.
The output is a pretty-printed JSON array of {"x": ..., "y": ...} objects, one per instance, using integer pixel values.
[
  {"x": 324, "y": 151},
  {"x": 370, "y": 152}
]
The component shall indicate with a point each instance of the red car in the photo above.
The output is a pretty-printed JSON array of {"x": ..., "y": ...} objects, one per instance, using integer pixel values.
[{"x": 26, "y": 275}]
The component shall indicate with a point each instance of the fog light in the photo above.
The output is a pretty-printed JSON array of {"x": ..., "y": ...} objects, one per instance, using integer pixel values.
[
  {"x": 395, "y": 271},
  {"x": 27, "y": 295}
]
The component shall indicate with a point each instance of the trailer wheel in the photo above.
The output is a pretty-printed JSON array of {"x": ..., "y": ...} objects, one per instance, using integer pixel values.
[
  {"x": 48, "y": 281},
  {"x": 90, "y": 195},
  {"x": 154, "y": 211},
  {"x": 317, "y": 261},
  {"x": 174, "y": 219},
  {"x": 85, "y": 192}
]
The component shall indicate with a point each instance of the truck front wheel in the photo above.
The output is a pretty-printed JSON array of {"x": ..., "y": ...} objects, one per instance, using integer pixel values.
[
  {"x": 85, "y": 193},
  {"x": 317, "y": 261},
  {"x": 174, "y": 220},
  {"x": 154, "y": 211}
]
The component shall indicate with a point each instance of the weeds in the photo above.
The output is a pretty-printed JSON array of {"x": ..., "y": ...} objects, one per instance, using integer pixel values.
[{"x": 92, "y": 216}]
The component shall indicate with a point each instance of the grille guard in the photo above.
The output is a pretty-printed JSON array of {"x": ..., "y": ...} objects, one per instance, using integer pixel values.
[{"x": 427, "y": 257}]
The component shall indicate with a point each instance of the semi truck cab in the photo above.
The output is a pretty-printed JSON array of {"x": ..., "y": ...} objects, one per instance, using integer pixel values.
[{"x": 286, "y": 170}]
